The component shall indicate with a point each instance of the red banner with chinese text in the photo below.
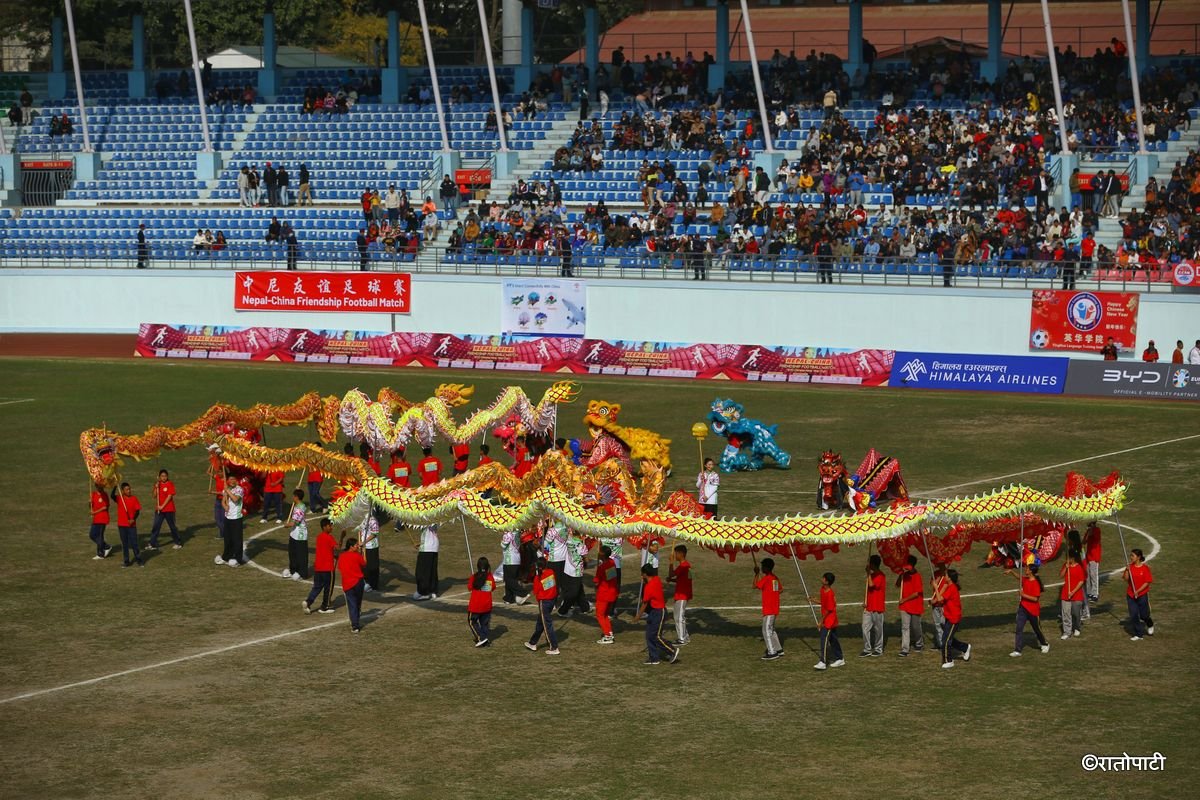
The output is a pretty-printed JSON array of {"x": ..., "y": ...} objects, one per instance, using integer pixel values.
[
  {"x": 362, "y": 292},
  {"x": 1082, "y": 321}
]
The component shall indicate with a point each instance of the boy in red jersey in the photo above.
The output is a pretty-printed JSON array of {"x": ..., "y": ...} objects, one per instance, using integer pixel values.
[
  {"x": 770, "y": 587},
  {"x": 1074, "y": 575},
  {"x": 831, "y": 648},
  {"x": 1092, "y": 555},
  {"x": 479, "y": 606},
  {"x": 273, "y": 495},
  {"x": 164, "y": 510},
  {"x": 461, "y": 453},
  {"x": 873, "y": 605},
  {"x": 607, "y": 590},
  {"x": 99, "y": 506},
  {"x": 351, "y": 564},
  {"x": 315, "y": 478},
  {"x": 912, "y": 606},
  {"x": 1137, "y": 595},
  {"x": 429, "y": 468},
  {"x": 1029, "y": 608},
  {"x": 679, "y": 572},
  {"x": 947, "y": 594},
  {"x": 654, "y": 608},
  {"x": 523, "y": 459},
  {"x": 128, "y": 509},
  {"x": 323, "y": 569},
  {"x": 484, "y": 458},
  {"x": 545, "y": 591},
  {"x": 398, "y": 470}
]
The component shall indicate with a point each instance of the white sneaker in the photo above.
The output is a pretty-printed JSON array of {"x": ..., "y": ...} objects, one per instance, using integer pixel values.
[
  {"x": 967, "y": 654},
  {"x": 419, "y": 596},
  {"x": 97, "y": 558},
  {"x": 605, "y": 640},
  {"x": 532, "y": 647},
  {"x": 839, "y": 663},
  {"x": 521, "y": 600},
  {"x": 176, "y": 547},
  {"x": 306, "y": 606},
  {"x": 948, "y": 665},
  {"x": 296, "y": 576},
  {"x": 232, "y": 563},
  {"x": 218, "y": 560},
  {"x": 108, "y": 551},
  {"x": 1135, "y": 638},
  {"x": 1045, "y": 648},
  {"x": 1150, "y": 630},
  {"x": 481, "y": 642},
  {"x": 820, "y": 665},
  {"x": 553, "y": 652},
  {"x": 1015, "y": 654},
  {"x": 1065, "y": 636},
  {"x": 287, "y": 573},
  {"x": 433, "y": 596},
  {"x": 1077, "y": 633},
  {"x": 368, "y": 588}
]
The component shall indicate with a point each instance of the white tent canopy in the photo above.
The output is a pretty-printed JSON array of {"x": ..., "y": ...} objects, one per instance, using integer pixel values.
[{"x": 287, "y": 57}]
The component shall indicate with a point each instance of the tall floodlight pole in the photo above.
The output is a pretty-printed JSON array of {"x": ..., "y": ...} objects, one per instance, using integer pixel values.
[
  {"x": 437, "y": 91},
  {"x": 187, "y": 7},
  {"x": 758, "y": 88},
  {"x": 1133, "y": 78},
  {"x": 1058, "y": 103},
  {"x": 491, "y": 65},
  {"x": 83, "y": 120}
]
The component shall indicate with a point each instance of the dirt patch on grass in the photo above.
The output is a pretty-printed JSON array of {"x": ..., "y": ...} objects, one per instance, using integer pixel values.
[{"x": 99, "y": 345}]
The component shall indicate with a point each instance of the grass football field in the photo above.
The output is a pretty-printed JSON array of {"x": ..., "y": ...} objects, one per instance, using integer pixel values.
[{"x": 186, "y": 680}]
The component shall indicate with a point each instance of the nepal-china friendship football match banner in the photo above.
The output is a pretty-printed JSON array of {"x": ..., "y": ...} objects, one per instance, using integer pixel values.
[
  {"x": 550, "y": 354},
  {"x": 1082, "y": 321},
  {"x": 360, "y": 292}
]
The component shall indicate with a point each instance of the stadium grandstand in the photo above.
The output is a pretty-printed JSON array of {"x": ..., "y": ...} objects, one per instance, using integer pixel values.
[{"x": 881, "y": 142}]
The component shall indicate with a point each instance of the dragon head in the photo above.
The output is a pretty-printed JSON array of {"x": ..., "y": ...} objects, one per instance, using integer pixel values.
[
  {"x": 454, "y": 394},
  {"x": 830, "y": 467},
  {"x": 601, "y": 415},
  {"x": 724, "y": 413}
]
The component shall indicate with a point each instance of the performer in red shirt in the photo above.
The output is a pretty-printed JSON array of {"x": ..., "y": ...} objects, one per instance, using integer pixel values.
[
  {"x": 429, "y": 468},
  {"x": 1030, "y": 608},
  {"x": 128, "y": 509},
  {"x": 479, "y": 606},
  {"x": 770, "y": 587},
  {"x": 831, "y": 648},
  {"x": 873, "y": 605},
  {"x": 351, "y": 564},
  {"x": 164, "y": 510},
  {"x": 607, "y": 590},
  {"x": 523, "y": 459},
  {"x": 368, "y": 455},
  {"x": 1074, "y": 574},
  {"x": 323, "y": 564},
  {"x": 545, "y": 591},
  {"x": 912, "y": 606},
  {"x": 1092, "y": 555},
  {"x": 462, "y": 457},
  {"x": 679, "y": 572},
  {"x": 273, "y": 496},
  {"x": 1137, "y": 595},
  {"x": 398, "y": 470},
  {"x": 484, "y": 458},
  {"x": 947, "y": 594},
  {"x": 654, "y": 607},
  {"x": 315, "y": 478},
  {"x": 99, "y": 507}
]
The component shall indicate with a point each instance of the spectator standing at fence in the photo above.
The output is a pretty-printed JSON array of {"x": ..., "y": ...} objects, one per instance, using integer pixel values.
[
  {"x": 1150, "y": 354},
  {"x": 449, "y": 194},
  {"x": 1194, "y": 354},
  {"x": 1109, "y": 351},
  {"x": 361, "y": 243},
  {"x": 143, "y": 247},
  {"x": 243, "y": 185},
  {"x": 270, "y": 179},
  {"x": 1177, "y": 356},
  {"x": 293, "y": 246},
  {"x": 391, "y": 201}
]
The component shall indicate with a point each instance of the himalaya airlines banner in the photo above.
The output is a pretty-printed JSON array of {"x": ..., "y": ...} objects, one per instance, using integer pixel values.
[
  {"x": 549, "y": 354},
  {"x": 979, "y": 373}
]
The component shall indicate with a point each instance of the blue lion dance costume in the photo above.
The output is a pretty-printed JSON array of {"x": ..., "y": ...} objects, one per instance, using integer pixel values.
[{"x": 749, "y": 440}]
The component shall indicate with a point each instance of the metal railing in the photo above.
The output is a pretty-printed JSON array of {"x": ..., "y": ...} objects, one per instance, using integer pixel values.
[{"x": 730, "y": 268}]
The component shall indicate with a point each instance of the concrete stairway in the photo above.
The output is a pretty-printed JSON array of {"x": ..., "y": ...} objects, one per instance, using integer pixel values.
[{"x": 535, "y": 159}]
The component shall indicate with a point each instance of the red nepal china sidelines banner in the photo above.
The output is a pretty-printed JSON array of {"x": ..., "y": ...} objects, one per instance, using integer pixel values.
[
  {"x": 547, "y": 354},
  {"x": 1082, "y": 321},
  {"x": 381, "y": 292}
]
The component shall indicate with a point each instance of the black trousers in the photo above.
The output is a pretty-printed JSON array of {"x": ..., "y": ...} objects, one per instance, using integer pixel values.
[
  {"x": 322, "y": 585},
  {"x": 234, "y": 529},
  {"x": 511, "y": 582},
  {"x": 371, "y": 573},
  {"x": 571, "y": 595},
  {"x": 427, "y": 574},
  {"x": 298, "y": 557}
]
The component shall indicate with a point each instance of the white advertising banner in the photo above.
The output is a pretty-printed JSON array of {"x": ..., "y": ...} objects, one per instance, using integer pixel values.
[{"x": 544, "y": 307}]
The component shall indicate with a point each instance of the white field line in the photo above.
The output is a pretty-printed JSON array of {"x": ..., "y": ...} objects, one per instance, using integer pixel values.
[
  {"x": 14, "y": 402},
  {"x": 1155, "y": 548}
]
